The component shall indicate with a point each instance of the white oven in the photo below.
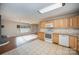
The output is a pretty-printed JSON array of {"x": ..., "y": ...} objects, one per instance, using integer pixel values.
[{"x": 48, "y": 35}]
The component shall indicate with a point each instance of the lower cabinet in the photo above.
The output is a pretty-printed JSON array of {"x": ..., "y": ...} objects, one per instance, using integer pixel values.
[
  {"x": 78, "y": 46},
  {"x": 41, "y": 35},
  {"x": 66, "y": 40},
  {"x": 55, "y": 38},
  {"x": 73, "y": 42}
]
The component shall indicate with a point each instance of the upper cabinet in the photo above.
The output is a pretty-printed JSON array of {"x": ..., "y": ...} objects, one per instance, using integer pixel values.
[
  {"x": 67, "y": 22},
  {"x": 46, "y": 24},
  {"x": 49, "y": 24},
  {"x": 42, "y": 24},
  {"x": 56, "y": 23},
  {"x": 73, "y": 22},
  {"x": 61, "y": 23},
  {"x": 78, "y": 21}
]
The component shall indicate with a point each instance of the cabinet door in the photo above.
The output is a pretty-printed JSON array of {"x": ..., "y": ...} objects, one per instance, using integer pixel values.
[
  {"x": 41, "y": 35},
  {"x": 73, "y": 22},
  {"x": 55, "y": 38},
  {"x": 78, "y": 21},
  {"x": 57, "y": 23},
  {"x": 49, "y": 24},
  {"x": 78, "y": 46},
  {"x": 61, "y": 23},
  {"x": 42, "y": 24},
  {"x": 65, "y": 23},
  {"x": 73, "y": 42}
]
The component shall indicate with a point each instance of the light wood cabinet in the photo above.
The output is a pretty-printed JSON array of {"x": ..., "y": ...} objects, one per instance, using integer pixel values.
[
  {"x": 56, "y": 23},
  {"x": 42, "y": 24},
  {"x": 78, "y": 46},
  {"x": 78, "y": 21},
  {"x": 73, "y": 42},
  {"x": 41, "y": 35},
  {"x": 61, "y": 23},
  {"x": 65, "y": 23},
  {"x": 73, "y": 22},
  {"x": 55, "y": 38}
]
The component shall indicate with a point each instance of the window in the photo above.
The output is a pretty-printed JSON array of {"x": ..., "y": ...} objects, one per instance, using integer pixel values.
[{"x": 24, "y": 28}]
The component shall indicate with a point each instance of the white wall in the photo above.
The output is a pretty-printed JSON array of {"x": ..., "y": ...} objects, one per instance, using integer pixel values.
[{"x": 10, "y": 28}]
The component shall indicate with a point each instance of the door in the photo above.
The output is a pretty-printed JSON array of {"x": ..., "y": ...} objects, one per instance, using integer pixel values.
[{"x": 64, "y": 40}]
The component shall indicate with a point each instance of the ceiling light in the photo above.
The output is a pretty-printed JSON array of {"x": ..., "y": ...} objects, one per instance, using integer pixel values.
[{"x": 51, "y": 7}]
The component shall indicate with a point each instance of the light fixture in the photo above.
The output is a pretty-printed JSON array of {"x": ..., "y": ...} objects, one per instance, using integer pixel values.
[{"x": 51, "y": 7}]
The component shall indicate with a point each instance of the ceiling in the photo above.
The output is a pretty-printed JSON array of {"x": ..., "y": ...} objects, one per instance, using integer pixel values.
[{"x": 30, "y": 10}]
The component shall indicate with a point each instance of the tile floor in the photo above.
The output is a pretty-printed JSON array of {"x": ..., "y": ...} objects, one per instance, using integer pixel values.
[{"x": 38, "y": 47}]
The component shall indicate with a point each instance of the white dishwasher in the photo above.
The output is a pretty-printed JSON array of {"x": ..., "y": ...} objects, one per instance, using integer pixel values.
[{"x": 64, "y": 40}]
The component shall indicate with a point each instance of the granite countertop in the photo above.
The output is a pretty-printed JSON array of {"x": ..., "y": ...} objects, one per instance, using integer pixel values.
[{"x": 71, "y": 34}]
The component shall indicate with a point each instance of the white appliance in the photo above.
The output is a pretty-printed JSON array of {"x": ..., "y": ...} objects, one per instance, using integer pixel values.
[
  {"x": 48, "y": 35},
  {"x": 64, "y": 40},
  {"x": 49, "y": 25}
]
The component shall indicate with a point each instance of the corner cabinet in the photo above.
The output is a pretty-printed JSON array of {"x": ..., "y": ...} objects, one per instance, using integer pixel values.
[
  {"x": 73, "y": 42},
  {"x": 41, "y": 35}
]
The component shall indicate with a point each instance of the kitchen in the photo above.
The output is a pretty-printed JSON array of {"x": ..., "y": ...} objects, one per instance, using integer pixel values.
[
  {"x": 61, "y": 31},
  {"x": 40, "y": 29}
]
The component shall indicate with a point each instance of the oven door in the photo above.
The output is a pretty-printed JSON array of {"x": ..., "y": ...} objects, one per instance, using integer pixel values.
[{"x": 48, "y": 37}]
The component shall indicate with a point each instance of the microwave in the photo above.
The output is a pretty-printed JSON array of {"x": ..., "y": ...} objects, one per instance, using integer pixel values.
[{"x": 49, "y": 25}]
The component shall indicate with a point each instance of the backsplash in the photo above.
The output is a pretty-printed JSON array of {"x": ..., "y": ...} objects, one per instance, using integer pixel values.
[
  {"x": 70, "y": 31},
  {"x": 67, "y": 31}
]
